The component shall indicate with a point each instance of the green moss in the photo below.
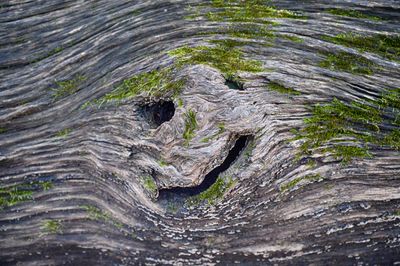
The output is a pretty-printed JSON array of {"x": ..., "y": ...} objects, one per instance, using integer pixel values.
[
  {"x": 95, "y": 213},
  {"x": 230, "y": 43},
  {"x": 393, "y": 139},
  {"x": 99, "y": 215},
  {"x": 214, "y": 193},
  {"x": 359, "y": 124},
  {"x": 51, "y": 227},
  {"x": 228, "y": 60},
  {"x": 249, "y": 31},
  {"x": 67, "y": 87},
  {"x": 3, "y": 130},
  {"x": 162, "y": 163},
  {"x": 348, "y": 62},
  {"x": 391, "y": 99},
  {"x": 248, "y": 11},
  {"x": 282, "y": 89},
  {"x": 10, "y": 196},
  {"x": 156, "y": 83},
  {"x": 396, "y": 213},
  {"x": 351, "y": 13},
  {"x": 46, "y": 185},
  {"x": 149, "y": 184},
  {"x": 190, "y": 126},
  {"x": 385, "y": 45},
  {"x": 294, "y": 182},
  {"x": 347, "y": 153},
  {"x": 180, "y": 102},
  {"x": 63, "y": 133}
]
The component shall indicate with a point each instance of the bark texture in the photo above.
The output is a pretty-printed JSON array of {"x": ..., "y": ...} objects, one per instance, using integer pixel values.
[{"x": 96, "y": 158}]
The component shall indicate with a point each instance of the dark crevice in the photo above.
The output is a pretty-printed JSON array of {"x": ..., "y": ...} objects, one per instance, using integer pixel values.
[
  {"x": 234, "y": 84},
  {"x": 159, "y": 113},
  {"x": 212, "y": 176}
]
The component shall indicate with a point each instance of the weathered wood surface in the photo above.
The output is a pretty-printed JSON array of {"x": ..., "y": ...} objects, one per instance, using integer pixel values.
[{"x": 345, "y": 219}]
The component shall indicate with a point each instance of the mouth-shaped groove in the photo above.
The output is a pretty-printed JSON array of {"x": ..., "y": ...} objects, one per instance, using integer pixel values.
[
  {"x": 211, "y": 177},
  {"x": 159, "y": 112}
]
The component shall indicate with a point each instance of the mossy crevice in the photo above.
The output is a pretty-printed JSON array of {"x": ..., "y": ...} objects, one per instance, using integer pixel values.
[{"x": 214, "y": 193}]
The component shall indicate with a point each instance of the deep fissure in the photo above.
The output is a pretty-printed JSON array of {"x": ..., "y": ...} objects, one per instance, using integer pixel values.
[{"x": 211, "y": 177}]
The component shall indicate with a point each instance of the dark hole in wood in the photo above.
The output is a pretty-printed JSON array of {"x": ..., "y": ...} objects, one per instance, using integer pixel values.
[
  {"x": 159, "y": 113},
  {"x": 234, "y": 85}
]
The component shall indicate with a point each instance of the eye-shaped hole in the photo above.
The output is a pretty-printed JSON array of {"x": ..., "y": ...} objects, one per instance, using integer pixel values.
[{"x": 159, "y": 112}]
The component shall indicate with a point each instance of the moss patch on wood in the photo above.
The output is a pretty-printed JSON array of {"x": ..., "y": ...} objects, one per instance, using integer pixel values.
[
  {"x": 155, "y": 83},
  {"x": 275, "y": 86},
  {"x": 348, "y": 62},
  {"x": 348, "y": 130},
  {"x": 256, "y": 11},
  {"x": 64, "y": 133},
  {"x": 351, "y": 13},
  {"x": 149, "y": 184},
  {"x": 51, "y": 227},
  {"x": 228, "y": 60},
  {"x": 294, "y": 182},
  {"x": 387, "y": 46},
  {"x": 99, "y": 215},
  {"x": 67, "y": 87},
  {"x": 190, "y": 126},
  {"x": 13, "y": 195}
]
